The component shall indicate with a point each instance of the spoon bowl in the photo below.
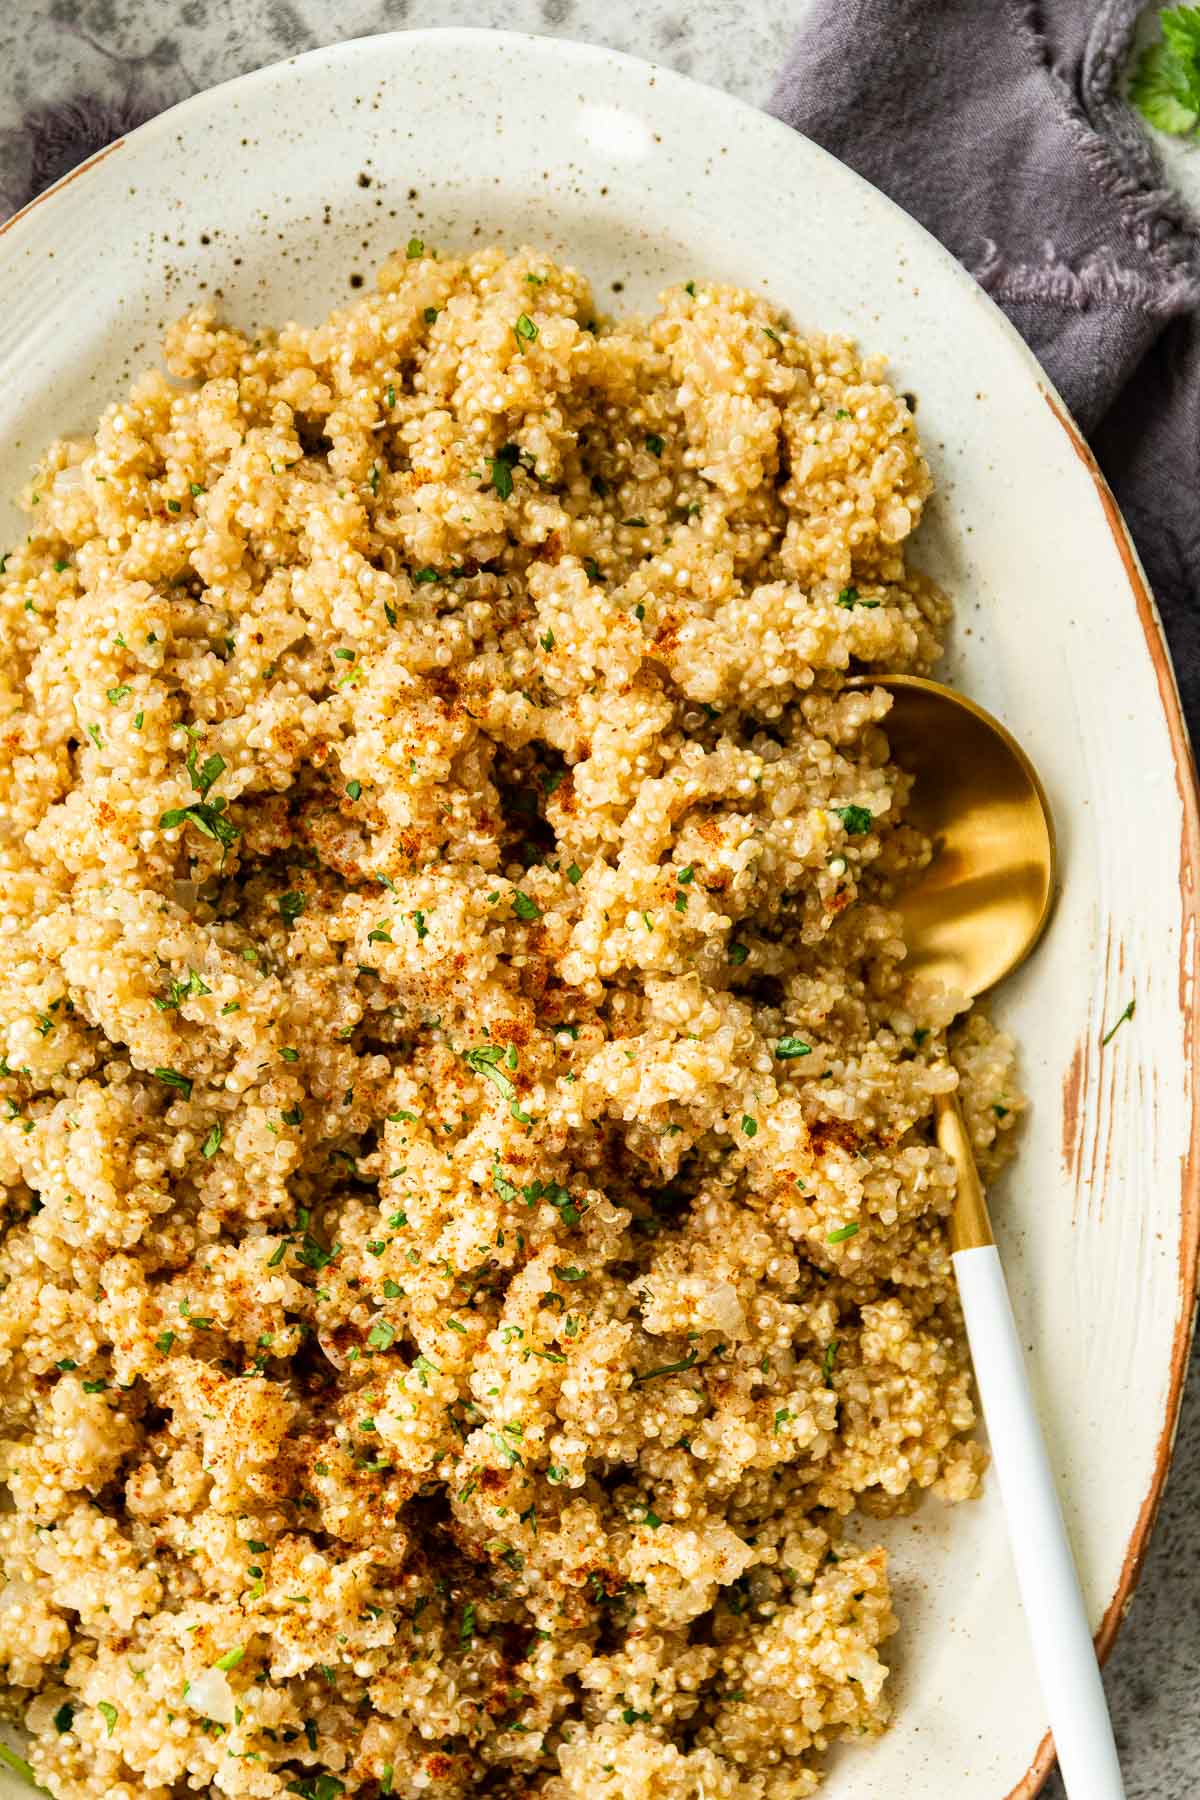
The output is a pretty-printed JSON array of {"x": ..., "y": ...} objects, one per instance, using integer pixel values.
[{"x": 984, "y": 899}]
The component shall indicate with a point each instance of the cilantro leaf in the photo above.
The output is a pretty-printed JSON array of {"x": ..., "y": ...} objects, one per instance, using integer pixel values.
[
  {"x": 500, "y": 468},
  {"x": 1165, "y": 86},
  {"x": 208, "y": 816},
  {"x": 856, "y": 819},
  {"x": 204, "y": 774}
]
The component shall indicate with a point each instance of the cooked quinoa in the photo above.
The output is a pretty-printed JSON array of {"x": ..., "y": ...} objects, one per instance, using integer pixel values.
[{"x": 472, "y": 1235}]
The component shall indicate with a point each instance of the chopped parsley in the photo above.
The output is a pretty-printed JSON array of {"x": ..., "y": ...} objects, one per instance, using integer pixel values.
[
  {"x": 204, "y": 774},
  {"x": 790, "y": 1047},
  {"x": 291, "y": 905},
  {"x": 108, "y": 1713},
  {"x": 675, "y": 1368},
  {"x": 178, "y": 991},
  {"x": 212, "y": 1142},
  {"x": 117, "y": 694},
  {"x": 354, "y": 790},
  {"x": 841, "y": 1234},
  {"x": 524, "y": 907},
  {"x": 172, "y": 1078},
  {"x": 574, "y": 874},
  {"x": 231, "y": 1658},
  {"x": 1165, "y": 86},
  {"x": 1113, "y": 1029},
  {"x": 483, "y": 1061},
  {"x": 64, "y": 1718},
  {"x": 9, "y": 1759},
  {"x": 827, "y": 1363},
  {"x": 856, "y": 819},
  {"x": 500, "y": 468},
  {"x": 415, "y": 249},
  {"x": 738, "y": 954},
  {"x": 655, "y": 444},
  {"x": 525, "y": 331},
  {"x": 749, "y": 1125},
  {"x": 208, "y": 816},
  {"x": 318, "y": 1787}
]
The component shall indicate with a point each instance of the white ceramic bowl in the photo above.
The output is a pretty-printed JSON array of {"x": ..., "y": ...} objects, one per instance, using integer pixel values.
[{"x": 255, "y": 194}]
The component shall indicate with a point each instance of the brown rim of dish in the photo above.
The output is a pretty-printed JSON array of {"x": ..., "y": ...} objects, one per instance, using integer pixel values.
[
  {"x": 62, "y": 182},
  {"x": 1039, "y": 1769},
  {"x": 1035, "y": 1777}
]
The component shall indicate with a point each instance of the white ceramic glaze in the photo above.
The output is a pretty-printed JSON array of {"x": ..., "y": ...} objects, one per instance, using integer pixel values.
[{"x": 252, "y": 194}]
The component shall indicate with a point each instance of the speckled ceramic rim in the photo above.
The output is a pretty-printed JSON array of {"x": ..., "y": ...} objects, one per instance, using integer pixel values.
[
  {"x": 1184, "y": 769},
  {"x": 1189, "y": 995}
]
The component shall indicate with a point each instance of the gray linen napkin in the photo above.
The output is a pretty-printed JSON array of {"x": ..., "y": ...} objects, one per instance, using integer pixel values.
[{"x": 1000, "y": 126}]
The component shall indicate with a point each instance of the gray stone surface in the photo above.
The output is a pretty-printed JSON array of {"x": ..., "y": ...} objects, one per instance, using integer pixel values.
[{"x": 95, "y": 66}]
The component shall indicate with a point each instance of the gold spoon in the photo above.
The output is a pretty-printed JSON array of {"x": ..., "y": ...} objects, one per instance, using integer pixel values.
[
  {"x": 970, "y": 917},
  {"x": 985, "y": 899}
]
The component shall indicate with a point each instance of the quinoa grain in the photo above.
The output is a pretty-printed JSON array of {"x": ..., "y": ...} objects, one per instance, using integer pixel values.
[{"x": 472, "y": 1234}]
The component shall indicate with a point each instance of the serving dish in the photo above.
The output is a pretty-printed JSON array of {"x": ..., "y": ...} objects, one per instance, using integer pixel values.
[{"x": 262, "y": 195}]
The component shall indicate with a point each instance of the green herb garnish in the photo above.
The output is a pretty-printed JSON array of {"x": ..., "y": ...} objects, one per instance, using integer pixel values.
[
  {"x": 500, "y": 469},
  {"x": 675, "y": 1368},
  {"x": 209, "y": 817},
  {"x": 172, "y": 1078},
  {"x": 291, "y": 905},
  {"x": 1113, "y": 1029},
  {"x": 1165, "y": 86}
]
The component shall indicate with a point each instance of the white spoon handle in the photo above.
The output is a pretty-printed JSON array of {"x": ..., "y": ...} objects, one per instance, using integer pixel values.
[{"x": 1054, "y": 1609}]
